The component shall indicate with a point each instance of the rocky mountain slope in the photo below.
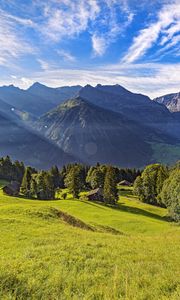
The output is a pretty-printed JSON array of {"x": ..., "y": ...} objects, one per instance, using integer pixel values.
[{"x": 171, "y": 101}]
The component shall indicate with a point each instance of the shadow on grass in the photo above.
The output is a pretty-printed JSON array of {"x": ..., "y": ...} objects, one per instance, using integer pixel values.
[
  {"x": 129, "y": 209},
  {"x": 138, "y": 211}
]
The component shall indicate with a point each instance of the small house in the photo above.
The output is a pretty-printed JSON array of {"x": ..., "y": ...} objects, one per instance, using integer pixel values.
[
  {"x": 125, "y": 183},
  {"x": 12, "y": 189},
  {"x": 96, "y": 195}
]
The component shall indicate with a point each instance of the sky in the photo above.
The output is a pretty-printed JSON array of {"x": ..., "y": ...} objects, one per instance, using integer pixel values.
[{"x": 66, "y": 42}]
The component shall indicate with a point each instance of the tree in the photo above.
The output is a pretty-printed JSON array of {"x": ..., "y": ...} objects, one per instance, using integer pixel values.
[
  {"x": 73, "y": 180},
  {"x": 110, "y": 192},
  {"x": 96, "y": 176},
  {"x": 170, "y": 194},
  {"x": 149, "y": 185},
  {"x": 138, "y": 187},
  {"x": 19, "y": 169},
  {"x": 56, "y": 177},
  {"x": 33, "y": 188},
  {"x": 26, "y": 182},
  {"x": 45, "y": 186}
]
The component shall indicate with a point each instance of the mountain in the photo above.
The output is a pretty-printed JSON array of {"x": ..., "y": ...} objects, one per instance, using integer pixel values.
[
  {"x": 21, "y": 143},
  {"x": 136, "y": 107},
  {"x": 171, "y": 101},
  {"x": 96, "y": 134},
  {"x": 36, "y": 100},
  {"x": 55, "y": 96}
]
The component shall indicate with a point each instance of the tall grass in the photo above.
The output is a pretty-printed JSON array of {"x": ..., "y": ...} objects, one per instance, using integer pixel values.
[{"x": 132, "y": 253}]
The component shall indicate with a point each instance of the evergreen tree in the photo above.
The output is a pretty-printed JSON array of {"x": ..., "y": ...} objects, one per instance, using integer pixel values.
[
  {"x": 33, "y": 188},
  {"x": 56, "y": 177},
  {"x": 73, "y": 180},
  {"x": 26, "y": 182},
  {"x": 110, "y": 186},
  {"x": 96, "y": 176}
]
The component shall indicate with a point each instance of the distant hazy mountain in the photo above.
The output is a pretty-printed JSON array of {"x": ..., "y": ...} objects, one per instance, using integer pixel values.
[
  {"x": 36, "y": 100},
  {"x": 171, "y": 101},
  {"x": 23, "y": 144},
  {"x": 136, "y": 107},
  {"x": 97, "y": 134},
  {"x": 54, "y": 96}
]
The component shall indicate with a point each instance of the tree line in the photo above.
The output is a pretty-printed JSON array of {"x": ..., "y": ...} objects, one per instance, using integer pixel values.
[
  {"x": 160, "y": 185},
  {"x": 76, "y": 177},
  {"x": 157, "y": 184}
]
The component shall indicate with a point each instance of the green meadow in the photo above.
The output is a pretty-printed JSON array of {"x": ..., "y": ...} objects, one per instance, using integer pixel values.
[{"x": 76, "y": 249}]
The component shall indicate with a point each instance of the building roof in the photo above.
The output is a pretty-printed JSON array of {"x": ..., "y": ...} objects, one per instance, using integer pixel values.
[
  {"x": 95, "y": 191},
  {"x": 124, "y": 182},
  {"x": 13, "y": 186}
]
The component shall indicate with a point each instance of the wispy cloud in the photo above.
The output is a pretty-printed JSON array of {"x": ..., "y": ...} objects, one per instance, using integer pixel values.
[
  {"x": 167, "y": 24},
  {"x": 114, "y": 27},
  {"x": 44, "y": 64},
  {"x": 12, "y": 43},
  {"x": 67, "y": 18},
  {"x": 66, "y": 55}
]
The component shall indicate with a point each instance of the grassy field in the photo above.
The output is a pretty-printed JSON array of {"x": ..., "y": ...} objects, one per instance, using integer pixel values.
[{"x": 87, "y": 252}]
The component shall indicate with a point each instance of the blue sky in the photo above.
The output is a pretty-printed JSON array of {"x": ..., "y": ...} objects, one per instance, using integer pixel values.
[{"x": 65, "y": 42}]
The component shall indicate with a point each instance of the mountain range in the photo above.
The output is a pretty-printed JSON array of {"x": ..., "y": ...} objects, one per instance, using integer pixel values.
[{"x": 106, "y": 123}]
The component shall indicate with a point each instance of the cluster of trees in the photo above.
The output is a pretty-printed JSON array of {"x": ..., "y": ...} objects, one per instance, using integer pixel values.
[
  {"x": 40, "y": 185},
  {"x": 159, "y": 185},
  {"x": 76, "y": 177},
  {"x": 80, "y": 177},
  {"x": 11, "y": 170}
]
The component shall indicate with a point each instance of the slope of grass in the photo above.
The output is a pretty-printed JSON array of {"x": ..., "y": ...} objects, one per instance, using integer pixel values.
[{"x": 131, "y": 253}]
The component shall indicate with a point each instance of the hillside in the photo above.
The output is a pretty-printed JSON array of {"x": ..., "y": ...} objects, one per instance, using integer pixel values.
[
  {"x": 22, "y": 143},
  {"x": 96, "y": 134},
  {"x": 130, "y": 252},
  {"x": 136, "y": 107},
  {"x": 171, "y": 101}
]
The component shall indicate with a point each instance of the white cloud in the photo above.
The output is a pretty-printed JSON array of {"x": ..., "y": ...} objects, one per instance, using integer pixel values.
[
  {"x": 152, "y": 79},
  {"x": 67, "y": 56},
  {"x": 168, "y": 23},
  {"x": 44, "y": 64},
  {"x": 99, "y": 44},
  {"x": 68, "y": 18},
  {"x": 12, "y": 44}
]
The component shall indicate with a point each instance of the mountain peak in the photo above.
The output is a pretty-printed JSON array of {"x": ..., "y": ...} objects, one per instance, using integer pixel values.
[{"x": 36, "y": 85}]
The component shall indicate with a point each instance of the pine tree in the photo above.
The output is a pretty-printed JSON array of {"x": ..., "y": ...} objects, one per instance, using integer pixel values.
[
  {"x": 50, "y": 188},
  {"x": 26, "y": 182},
  {"x": 73, "y": 180},
  {"x": 56, "y": 177},
  {"x": 96, "y": 176},
  {"x": 110, "y": 186},
  {"x": 33, "y": 188}
]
